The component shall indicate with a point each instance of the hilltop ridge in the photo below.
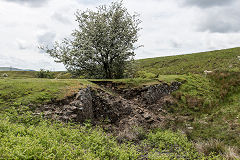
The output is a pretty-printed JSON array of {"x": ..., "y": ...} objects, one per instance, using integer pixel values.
[
  {"x": 13, "y": 69},
  {"x": 225, "y": 60}
]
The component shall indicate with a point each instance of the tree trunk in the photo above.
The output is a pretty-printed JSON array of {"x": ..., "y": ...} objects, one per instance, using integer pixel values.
[
  {"x": 110, "y": 73},
  {"x": 107, "y": 71}
]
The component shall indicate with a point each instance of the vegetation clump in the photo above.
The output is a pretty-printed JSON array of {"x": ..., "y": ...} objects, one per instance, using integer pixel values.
[{"x": 44, "y": 74}]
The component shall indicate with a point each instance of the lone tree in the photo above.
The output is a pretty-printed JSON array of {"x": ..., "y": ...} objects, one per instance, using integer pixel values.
[{"x": 103, "y": 43}]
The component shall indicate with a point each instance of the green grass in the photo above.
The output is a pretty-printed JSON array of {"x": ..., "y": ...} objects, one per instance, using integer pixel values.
[
  {"x": 192, "y": 63},
  {"x": 223, "y": 121},
  {"x": 59, "y": 141},
  {"x": 24, "y": 136},
  {"x": 197, "y": 94},
  {"x": 33, "y": 74},
  {"x": 212, "y": 105},
  {"x": 19, "y": 74},
  {"x": 27, "y": 91},
  {"x": 211, "y": 102},
  {"x": 47, "y": 140},
  {"x": 168, "y": 145}
]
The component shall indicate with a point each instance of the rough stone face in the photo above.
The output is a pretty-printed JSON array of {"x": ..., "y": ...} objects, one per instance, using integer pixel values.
[
  {"x": 120, "y": 112},
  {"x": 78, "y": 108},
  {"x": 153, "y": 93},
  {"x": 149, "y": 94},
  {"x": 106, "y": 106},
  {"x": 83, "y": 104}
]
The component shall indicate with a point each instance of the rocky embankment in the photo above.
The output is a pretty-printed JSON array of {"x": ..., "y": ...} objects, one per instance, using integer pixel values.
[{"x": 119, "y": 112}]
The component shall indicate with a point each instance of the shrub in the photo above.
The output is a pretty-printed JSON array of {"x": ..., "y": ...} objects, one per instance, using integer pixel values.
[
  {"x": 48, "y": 140},
  {"x": 44, "y": 74},
  {"x": 211, "y": 146},
  {"x": 217, "y": 147},
  {"x": 169, "y": 145}
]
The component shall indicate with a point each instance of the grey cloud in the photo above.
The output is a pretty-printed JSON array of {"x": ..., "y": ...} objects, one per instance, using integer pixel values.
[
  {"x": 22, "y": 44},
  {"x": 208, "y": 3},
  {"x": 32, "y": 3},
  {"x": 217, "y": 26},
  {"x": 61, "y": 18},
  {"x": 175, "y": 44},
  {"x": 87, "y": 1},
  {"x": 13, "y": 61},
  {"x": 46, "y": 39},
  {"x": 92, "y": 1},
  {"x": 221, "y": 21}
]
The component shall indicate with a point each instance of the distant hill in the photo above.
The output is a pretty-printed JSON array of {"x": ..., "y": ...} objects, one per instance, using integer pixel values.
[
  {"x": 13, "y": 69},
  {"x": 226, "y": 59}
]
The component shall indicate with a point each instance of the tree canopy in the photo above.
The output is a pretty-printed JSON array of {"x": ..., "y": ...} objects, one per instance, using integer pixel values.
[{"x": 103, "y": 43}]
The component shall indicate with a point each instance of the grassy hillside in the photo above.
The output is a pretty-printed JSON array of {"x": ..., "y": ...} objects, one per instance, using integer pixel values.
[
  {"x": 19, "y": 74},
  {"x": 13, "y": 69},
  {"x": 9, "y": 69},
  {"x": 24, "y": 136},
  {"x": 33, "y": 74},
  {"x": 207, "y": 109},
  {"x": 205, "y": 113},
  {"x": 226, "y": 59}
]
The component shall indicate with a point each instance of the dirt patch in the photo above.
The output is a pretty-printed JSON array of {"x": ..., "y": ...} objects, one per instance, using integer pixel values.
[{"x": 121, "y": 113}]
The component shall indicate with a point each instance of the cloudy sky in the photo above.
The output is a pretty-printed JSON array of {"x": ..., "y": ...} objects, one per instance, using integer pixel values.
[{"x": 170, "y": 27}]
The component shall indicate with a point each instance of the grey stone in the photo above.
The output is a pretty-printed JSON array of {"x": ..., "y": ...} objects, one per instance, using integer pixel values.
[{"x": 83, "y": 102}]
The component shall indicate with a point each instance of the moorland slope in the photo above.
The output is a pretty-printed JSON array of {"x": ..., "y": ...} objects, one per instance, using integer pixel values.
[{"x": 184, "y": 113}]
